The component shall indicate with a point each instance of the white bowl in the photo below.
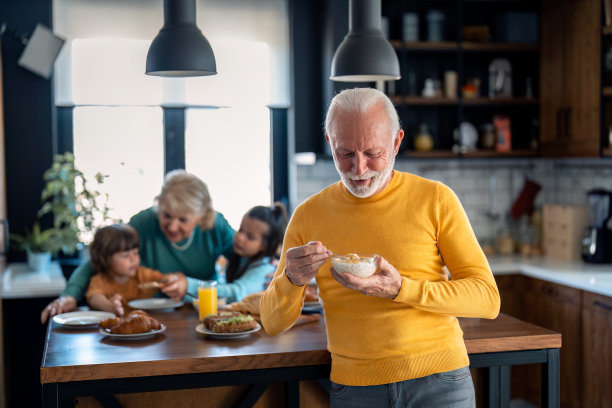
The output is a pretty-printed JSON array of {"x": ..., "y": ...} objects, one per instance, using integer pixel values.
[{"x": 358, "y": 265}]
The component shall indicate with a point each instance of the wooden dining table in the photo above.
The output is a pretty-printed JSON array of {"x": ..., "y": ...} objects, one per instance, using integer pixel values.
[{"x": 80, "y": 363}]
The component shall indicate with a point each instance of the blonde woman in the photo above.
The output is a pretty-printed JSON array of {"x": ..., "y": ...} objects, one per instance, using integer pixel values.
[{"x": 182, "y": 233}]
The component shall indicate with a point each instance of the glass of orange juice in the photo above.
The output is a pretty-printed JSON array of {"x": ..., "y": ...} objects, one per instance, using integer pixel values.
[{"x": 207, "y": 298}]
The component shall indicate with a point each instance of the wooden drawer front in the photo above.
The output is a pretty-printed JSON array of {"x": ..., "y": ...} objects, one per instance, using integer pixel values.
[
  {"x": 597, "y": 350},
  {"x": 558, "y": 308}
]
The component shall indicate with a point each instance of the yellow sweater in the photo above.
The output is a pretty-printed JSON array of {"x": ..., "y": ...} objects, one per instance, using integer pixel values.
[{"x": 418, "y": 226}]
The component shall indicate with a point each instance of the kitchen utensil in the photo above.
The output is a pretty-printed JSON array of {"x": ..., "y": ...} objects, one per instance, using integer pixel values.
[
  {"x": 492, "y": 213},
  {"x": 500, "y": 78},
  {"x": 597, "y": 238}
]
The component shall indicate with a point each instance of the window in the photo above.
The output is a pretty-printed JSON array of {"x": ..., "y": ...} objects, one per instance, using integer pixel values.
[
  {"x": 229, "y": 149},
  {"x": 118, "y": 127},
  {"x": 125, "y": 143}
]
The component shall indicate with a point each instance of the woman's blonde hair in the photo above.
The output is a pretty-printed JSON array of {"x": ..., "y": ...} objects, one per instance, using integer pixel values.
[{"x": 183, "y": 192}]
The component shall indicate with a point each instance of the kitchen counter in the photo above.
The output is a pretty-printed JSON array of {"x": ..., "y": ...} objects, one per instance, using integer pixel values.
[
  {"x": 596, "y": 278},
  {"x": 20, "y": 282}
]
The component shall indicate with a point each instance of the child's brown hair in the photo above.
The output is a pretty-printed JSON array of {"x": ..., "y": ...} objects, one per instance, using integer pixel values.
[{"x": 108, "y": 241}]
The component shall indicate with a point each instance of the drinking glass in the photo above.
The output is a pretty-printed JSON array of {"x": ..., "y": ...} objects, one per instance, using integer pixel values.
[{"x": 207, "y": 298}]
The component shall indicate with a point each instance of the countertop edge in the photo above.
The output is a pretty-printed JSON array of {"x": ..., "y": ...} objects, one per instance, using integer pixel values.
[{"x": 593, "y": 278}]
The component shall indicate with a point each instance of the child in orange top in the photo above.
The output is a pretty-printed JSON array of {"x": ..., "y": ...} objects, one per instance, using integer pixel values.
[{"x": 117, "y": 272}]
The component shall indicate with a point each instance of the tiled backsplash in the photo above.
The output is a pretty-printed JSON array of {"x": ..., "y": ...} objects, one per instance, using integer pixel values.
[{"x": 563, "y": 181}]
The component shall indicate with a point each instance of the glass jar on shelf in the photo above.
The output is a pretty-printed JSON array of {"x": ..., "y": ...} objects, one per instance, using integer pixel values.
[{"x": 423, "y": 141}]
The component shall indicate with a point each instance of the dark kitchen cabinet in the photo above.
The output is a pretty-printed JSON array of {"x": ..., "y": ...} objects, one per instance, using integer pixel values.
[
  {"x": 510, "y": 292},
  {"x": 558, "y": 308},
  {"x": 597, "y": 350},
  {"x": 570, "y": 71}
]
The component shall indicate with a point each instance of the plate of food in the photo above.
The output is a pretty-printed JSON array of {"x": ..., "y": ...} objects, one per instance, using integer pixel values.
[
  {"x": 228, "y": 325},
  {"x": 132, "y": 336},
  {"x": 82, "y": 319},
  {"x": 136, "y": 325},
  {"x": 154, "y": 304}
]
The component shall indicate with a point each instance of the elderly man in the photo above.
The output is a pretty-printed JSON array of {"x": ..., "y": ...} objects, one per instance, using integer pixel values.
[{"x": 394, "y": 337}]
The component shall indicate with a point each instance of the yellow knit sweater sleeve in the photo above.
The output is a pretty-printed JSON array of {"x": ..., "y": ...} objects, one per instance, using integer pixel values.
[
  {"x": 282, "y": 302},
  {"x": 471, "y": 290}
]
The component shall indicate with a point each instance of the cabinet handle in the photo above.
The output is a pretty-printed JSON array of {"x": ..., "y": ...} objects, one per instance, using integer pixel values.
[
  {"x": 568, "y": 124},
  {"x": 564, "y": 117},
  {"x": 602, "y": 305}
]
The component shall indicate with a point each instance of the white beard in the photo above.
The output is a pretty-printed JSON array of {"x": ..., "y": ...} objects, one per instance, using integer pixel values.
[{"x": 379, "y": 178}]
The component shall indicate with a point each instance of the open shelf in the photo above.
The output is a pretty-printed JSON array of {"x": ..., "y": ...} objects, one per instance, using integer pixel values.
[
  {"x": 425, "y": 45},
  {"x": 439, "y": 100},
  {"x": 465, "y": 46},
  {"x": 440, "y": 154},
  {"x": 501, "y": 101},
  {"x": 506, "y": 47},
  {"x": 419, "y": 100}
]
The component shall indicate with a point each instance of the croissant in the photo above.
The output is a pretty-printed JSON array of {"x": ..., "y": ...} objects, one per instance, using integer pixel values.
[
  {"x": 137, "y": 321},
  {"x": 108, "y": 323}
]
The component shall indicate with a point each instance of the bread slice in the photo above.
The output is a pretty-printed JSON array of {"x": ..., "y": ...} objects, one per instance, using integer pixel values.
[{"x": 229, "y": 322}]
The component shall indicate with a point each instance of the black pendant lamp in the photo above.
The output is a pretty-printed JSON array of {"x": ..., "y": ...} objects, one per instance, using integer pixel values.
[
  {"x": 180, "y": 49},
  {"x": 364, "y": 55}
]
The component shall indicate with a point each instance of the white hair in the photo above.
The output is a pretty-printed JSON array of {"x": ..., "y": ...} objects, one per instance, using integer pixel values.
[{"x": 361, "y": 100}]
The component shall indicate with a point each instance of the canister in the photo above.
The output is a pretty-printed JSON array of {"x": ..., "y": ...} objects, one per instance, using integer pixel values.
[
  {"x": 435, "y": 25},
  {"x": 410, "y": 27}
]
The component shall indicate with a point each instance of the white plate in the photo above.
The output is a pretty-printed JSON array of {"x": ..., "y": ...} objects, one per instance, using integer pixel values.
[
  {"x": 136, "y": 336},
  {"x": 81, "y": 319},
  {"x": 154, "y": 304},
  {"x": 201, "y": 329}
]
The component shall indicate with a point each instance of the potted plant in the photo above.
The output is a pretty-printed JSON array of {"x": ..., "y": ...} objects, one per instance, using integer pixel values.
[
  {"x": 39, "y": 245},
  {"x": 76, "y": 204}
]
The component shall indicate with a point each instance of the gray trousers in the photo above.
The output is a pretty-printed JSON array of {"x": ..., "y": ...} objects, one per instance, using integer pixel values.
[{"x": 452, "y": 389}]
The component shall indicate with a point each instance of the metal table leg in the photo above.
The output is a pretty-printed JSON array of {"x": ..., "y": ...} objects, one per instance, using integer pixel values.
[{"x": 550, "y": 380}]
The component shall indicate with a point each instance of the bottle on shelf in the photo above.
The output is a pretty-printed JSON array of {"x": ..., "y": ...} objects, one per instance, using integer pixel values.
[{"x": 423, "y": 141}]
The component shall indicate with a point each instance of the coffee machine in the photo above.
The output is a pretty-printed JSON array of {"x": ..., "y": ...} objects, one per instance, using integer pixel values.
[{"x": 597, "y": 238}]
